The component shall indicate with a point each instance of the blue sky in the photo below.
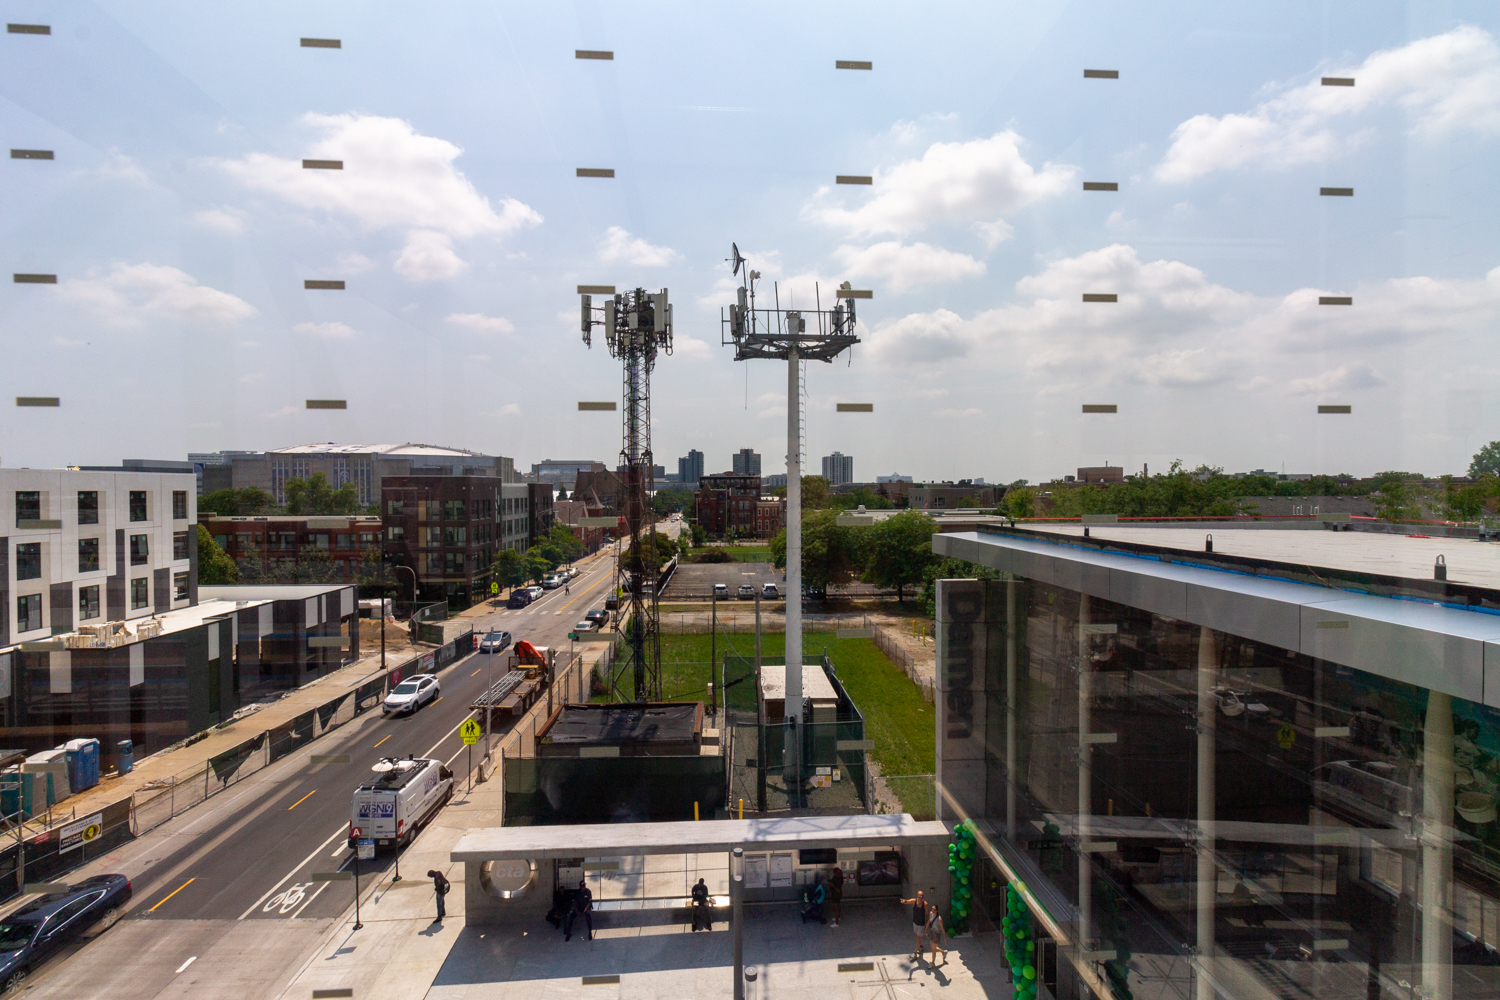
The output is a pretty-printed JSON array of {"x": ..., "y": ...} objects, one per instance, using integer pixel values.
[{"x": 181, "y": 228}]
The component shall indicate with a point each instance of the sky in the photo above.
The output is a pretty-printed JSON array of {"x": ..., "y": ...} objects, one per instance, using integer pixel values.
[{"x": 181, "y": 226}]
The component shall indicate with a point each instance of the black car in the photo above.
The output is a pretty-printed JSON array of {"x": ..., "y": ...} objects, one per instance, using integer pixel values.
[
  {"x": 518, "y": 599},
  {"x": 38, "y": 929},
  {"x": 601, "y": 617}
]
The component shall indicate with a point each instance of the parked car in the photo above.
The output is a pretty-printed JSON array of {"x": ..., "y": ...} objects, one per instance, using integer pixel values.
[
  {"x": 600, "y": 618},
  {"x": 747, "y": 592},
  {"x": 612, "y": 602},
  {"x": 535, "y": 591},
  {"x": 572, "y": 572},
  {"x": 494, "y": 642},
  {"x": 519, "y": 598},
  {"x": 392, "y": 808},
  {"x": 552, "y": 582},
  {"x": 38, "y": 929},
  {"x": 721, "y": 590},
  {"x": 768, "y": 592},
  {"x": 587, "y": 625},
  {"x": 411, "y": 694}
]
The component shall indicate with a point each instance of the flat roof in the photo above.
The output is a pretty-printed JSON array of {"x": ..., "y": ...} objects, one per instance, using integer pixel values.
[
  {"x": 257, "y": 593},
  {"x": 815, "y": 683},
  {"x": 687, "y": 837},
  {"x": 611, "y": 725},
  {"x": 171, "y": 621},
  {"x": 1469, "y": 560},
  {"x": 1445, "y": 649}
]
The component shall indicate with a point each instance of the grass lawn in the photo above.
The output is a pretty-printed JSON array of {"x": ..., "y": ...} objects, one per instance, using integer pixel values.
[
  {"x": 897, "y": 718},
  {"x": 741, "y": 553}
]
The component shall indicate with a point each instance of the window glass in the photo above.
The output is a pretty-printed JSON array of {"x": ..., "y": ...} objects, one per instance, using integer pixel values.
[
  {"x": 29, "y": 561},
  {"x": 28, "y": 612},
  {"x": 88, "y": 555},
  {"x": 140, "y": 594},
  {"x": 88, "y": 602},
  {"x": 453, "y": 510},
  {"x": 179, "y": 505},
  {"x": 138, "y": 511},
  {"x": 140, "y": 550},
  {"x": 28, "y": 506},
  {"x": 88, "y": 506},
  {"x": 179, "y": 545},
  {"x": 179, "y": 586}
]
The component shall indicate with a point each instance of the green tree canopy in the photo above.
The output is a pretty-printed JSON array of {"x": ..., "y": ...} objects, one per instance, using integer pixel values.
[
  {"x": 831, "y": 555},
  {"x": 1486, "y": 461},
  {"x": 215, "y": 568},
  {"x": 510, "y": 568},
  {"x": 899, "y": 550},
  {"x": 241, "y": 502},
  {"x": 314, "y": 495}
]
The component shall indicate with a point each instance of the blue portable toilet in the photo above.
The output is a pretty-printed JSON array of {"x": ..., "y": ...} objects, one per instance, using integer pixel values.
[
  {"x": 127, "y": 756},
  {"x": 83, "y": 763}
]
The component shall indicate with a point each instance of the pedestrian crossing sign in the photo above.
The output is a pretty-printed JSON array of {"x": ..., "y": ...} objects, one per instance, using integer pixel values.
[{"x": 470, "y": 732}]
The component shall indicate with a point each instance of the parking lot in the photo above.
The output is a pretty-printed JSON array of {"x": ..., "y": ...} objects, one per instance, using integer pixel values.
[{"x": 697, "y": 580}]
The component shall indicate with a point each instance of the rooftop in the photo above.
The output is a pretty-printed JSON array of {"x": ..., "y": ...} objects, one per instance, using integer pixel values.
[
  {"x": 330, "y": 448},
  {"x": 168, "y": 622},
  {"x": 615, "y": 724}
]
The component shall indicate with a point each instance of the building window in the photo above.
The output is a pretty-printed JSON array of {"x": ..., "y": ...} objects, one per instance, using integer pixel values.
[
  {"x": 88, "y": 555},
  {"x": 394, "y": 507},
  {"x": 28, "y": 506},
  {"x": 343, "y": 541},
  {"x": 453, "y": 564},
  {"x": 88, "y": 602},
  {"x": 179, "y": 586},
  {"x": 395, "y": 533},
  {"x": 453, "y": 510},
  {"x": 318, "y": 540},
  {"x": 367, "y": 538},
  {"x": 140, "y": 594},
  {"x": 223, "y": 542},
  {"x": 179, "y": 505},
  {"x": 29, "y": 561},
  {"x": 138, "y": 505},
  {"x": 140, "y": 550},
  {"x": 88, "y": 506},
  {"x": 455, "y": 536},
  {"x": 179, "y": 545},
  {"x": 29, "y": 613}
]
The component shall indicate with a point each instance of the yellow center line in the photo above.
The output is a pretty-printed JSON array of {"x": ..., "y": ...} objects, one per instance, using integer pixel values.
[
  {"x": 382, "y": 741},
  {"x": 304, "y": 798},
  {"x": 175, "y": 892},
  {"x": 437, "y": 699},
  {"x": 602, "y": 580},
  {"x": 471, "y": 675}
]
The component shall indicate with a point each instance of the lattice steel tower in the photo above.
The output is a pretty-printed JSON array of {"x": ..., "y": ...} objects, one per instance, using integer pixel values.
[{"x": 637, "y": 326}]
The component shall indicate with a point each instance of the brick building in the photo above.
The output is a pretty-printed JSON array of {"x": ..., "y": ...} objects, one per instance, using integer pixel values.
[
  {"x": 447, "y": 529},
  {"x": 280, "y": 546},
  {"x": 946, "y": 496},
  {"x": 770, "y": 516},
  {"x": 727, "y": 503}
]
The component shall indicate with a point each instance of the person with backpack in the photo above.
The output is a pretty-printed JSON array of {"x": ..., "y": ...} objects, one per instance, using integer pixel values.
[
  {"x": 440, "y": 887},
  {"x": 702, "y": 911},
  {"x": 936, "y": 933},
  {"x": 836, "y": 895}
]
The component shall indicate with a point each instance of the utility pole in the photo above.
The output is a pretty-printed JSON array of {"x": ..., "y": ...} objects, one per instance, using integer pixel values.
[{"x": 782, "y": 334}]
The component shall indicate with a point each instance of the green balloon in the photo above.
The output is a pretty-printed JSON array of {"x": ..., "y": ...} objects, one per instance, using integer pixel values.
[{"x": 1029, "y": 972}]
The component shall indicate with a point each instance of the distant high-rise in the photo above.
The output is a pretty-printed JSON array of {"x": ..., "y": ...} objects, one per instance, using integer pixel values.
[
  {"x": 838, "y": 468},
  {"x": 690, "y": 469},
  {"x": 747, "y": 462}
]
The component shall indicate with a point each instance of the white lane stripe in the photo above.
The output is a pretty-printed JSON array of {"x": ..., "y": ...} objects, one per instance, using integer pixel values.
[
  {"x": 447, "y": 734},
  {"x": 298, "y": 912},
  {"x": 181, "y": 968},
  {"x": 342, "y": 831}
]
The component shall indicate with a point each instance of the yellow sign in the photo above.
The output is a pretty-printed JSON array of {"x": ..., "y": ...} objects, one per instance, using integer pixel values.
[
  {"x": 1286, "y": 736},
  {"x": 470, "y": 732},
  {"x": 494, "y": 588}
]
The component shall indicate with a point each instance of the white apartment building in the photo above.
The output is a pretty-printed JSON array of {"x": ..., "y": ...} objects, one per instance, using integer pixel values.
[
  {"x": 79, "y": 547},
  {"x": 514, "y": 515}
]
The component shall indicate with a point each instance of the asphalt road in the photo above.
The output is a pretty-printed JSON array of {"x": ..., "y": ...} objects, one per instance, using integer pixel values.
[{"x": 248, "y": 855}]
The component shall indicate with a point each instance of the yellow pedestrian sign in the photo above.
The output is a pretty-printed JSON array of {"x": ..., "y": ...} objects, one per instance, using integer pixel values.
[
  {"x": 470, "y": 732},
  {"x": 494, "y": 588},
  {"x": 1286, "y": 737}
]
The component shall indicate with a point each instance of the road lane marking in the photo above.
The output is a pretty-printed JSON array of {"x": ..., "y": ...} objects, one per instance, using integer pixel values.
[
  {"x": 437, "y": 699},
  {"x": 183, "y": 967},
  {"x": 298, "y": 912},
  {"x": 302, "y": 800},
  {"x": 471, "y": 675},
  {"x": 175, "y": 892},
  {"x": 455, "y": 754},
  {"x": 342, "y": 831},
  {"x": 448, "y": 734},
  {"x": 382, "y": 741}
]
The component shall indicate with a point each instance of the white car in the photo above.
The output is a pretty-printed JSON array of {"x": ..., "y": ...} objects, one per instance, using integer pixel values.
[
  {"x": 411, "y": 694},
  {"x": 552, "y": 582},
  {"x": 586, "y": 626},
  {"x": 535, "y": 591}
]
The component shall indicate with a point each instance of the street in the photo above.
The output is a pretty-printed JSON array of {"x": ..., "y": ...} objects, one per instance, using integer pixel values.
[{"x": 248, "y": 856}]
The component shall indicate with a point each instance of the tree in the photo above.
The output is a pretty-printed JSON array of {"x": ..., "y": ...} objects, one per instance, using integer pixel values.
[
  {"x": 509, "y": 568},
  {"x": 672, "y": 499},
  {"x": 1019, "y": 502},
  {"x": 814, "y": 493},
  {"x": 1486, "y": 461},
  {"x": 314, "y": 495},
  {"x": 950, "y": 569},
  {"x": 215, "y": 568},
  {"x": 566, "y": 542},
  {"x": 831, "y": 555},
  {"x": 241, "y": 502},
  {"x": 899, "y": 550}
]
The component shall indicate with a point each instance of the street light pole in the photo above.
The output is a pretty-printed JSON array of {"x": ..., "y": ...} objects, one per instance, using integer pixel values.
[
  {"x": 737, "y": 902},
  {"x": 413, "y": 587}
]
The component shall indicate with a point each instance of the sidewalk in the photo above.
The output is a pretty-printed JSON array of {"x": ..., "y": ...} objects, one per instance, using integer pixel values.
[{"x": 165, "y": 763}]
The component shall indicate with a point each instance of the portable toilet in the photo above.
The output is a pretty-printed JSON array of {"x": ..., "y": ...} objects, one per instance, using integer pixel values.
[
  {"x": 83, "y": 763},
  {"x": 127, "y": 757},
  {"x": 54, "y": 763}
]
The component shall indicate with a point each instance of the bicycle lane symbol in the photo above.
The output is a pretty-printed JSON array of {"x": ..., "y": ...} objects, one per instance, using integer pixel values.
[{"x": 287, "y": 899}]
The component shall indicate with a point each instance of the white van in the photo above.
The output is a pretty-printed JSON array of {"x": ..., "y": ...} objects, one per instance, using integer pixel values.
[{"x": 406, "y": 794}]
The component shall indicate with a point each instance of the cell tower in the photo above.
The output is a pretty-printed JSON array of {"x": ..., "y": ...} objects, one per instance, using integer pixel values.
[
  {"x": 637, "y": 326},
  {"x": 782, "y": 334}
]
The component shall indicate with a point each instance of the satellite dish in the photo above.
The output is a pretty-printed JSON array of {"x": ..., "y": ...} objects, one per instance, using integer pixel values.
[
  {"x": 738, "y": 260},
  {"x": 380, "y": 767}
]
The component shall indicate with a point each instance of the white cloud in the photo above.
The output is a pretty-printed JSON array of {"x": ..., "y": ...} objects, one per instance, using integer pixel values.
[
  {"x": 351, "y": 264},
  {"x": 224, "y": 218},
  {"x": 393, "y": 178},
  {"x": 428, "y": 256},
  {"x": 334, "y": 330},
  {"x": 1344, "y": 378},
  {"x": 970, "y": 182},
  {"x": 481, "y": 323},
  {"x": 1444, "y": 83},
  {"x": 118, "y": 166},
  {"x": 130, "y": 295},
  {"x": 690, "y": 347},
  {"x": 902, "y": 267},
  {"x": 510, "y": 410},
  {"x": 620, "y": 245}
]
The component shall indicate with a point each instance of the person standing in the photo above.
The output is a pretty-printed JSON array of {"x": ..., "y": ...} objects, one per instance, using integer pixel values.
[
  {"x": 583, "y": 906},
  {"x": 937, "y": 934},
  {"x": 918, "y": 906},
  {"x": 836, "y": 896},
  {"x": 702, "y": 911},
  {"x": 440, "y": 887}
]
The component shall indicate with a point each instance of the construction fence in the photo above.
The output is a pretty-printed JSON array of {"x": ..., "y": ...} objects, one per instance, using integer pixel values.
[{"x": 38, "y": 852}]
